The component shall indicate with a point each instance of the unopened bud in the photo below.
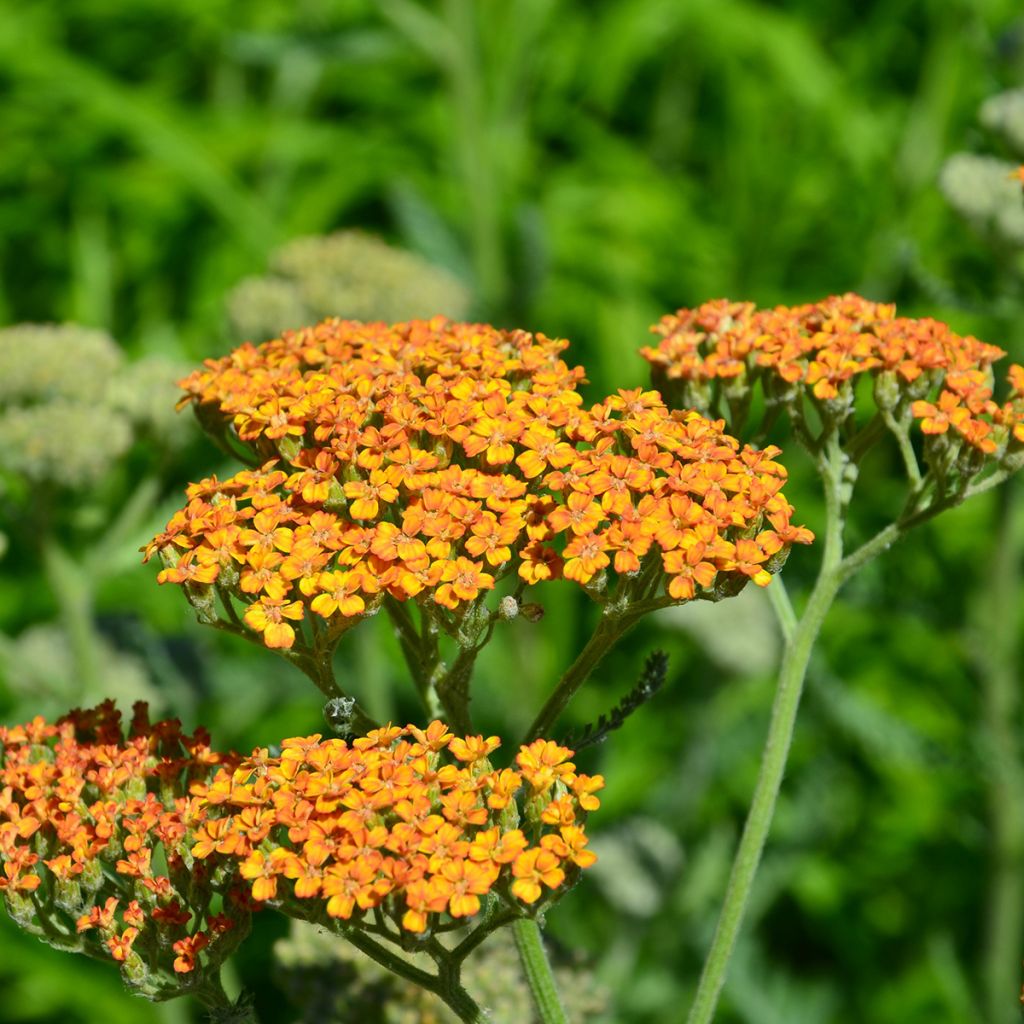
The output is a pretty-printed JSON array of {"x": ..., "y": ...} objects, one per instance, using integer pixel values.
[
  {"x": 887, "y": 390},
  {"x": 508, "y": 608},
  {"x": 289, "y": 447}
]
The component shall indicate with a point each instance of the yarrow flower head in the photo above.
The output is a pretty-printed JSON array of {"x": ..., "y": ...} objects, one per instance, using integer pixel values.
[
  {"x": 150, "y": 850},
  {"x": 412, "y": 823},
  {"x": 815, "y": 355},
  {"x": 431, "y": 461},
  {"x": 94, "y": 846}
]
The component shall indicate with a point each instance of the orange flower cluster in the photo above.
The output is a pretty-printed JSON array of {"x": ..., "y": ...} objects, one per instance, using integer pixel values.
[
  {"x": 413, "y": 822},
  {"x": 94, "y": 854},
  {"x": 942, "y": 378},
  {"x": 430, "y": 460}
]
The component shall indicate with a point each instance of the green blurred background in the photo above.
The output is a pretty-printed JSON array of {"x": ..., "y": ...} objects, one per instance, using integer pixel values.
[{"x": 577, "y": 168}]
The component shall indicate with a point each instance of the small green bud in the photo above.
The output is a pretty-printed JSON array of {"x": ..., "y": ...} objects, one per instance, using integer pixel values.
[{"x": 887, "y": 390}]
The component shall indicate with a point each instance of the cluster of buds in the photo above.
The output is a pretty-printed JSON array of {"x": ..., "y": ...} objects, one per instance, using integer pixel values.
[
  {"x": 346, "y": 273},
  {"x": 809, "y": 360},
  {"x": 94, "y": 847},
  {"x": 409, "y": 826},
  {"x": 71, "y": 406},
  {"x": 430, "y": 461}
]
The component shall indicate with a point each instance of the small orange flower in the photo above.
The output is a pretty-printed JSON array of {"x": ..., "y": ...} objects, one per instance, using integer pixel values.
[{"x": 268, "y": 615}]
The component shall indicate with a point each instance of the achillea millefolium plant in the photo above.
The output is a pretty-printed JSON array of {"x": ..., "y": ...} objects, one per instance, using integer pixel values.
[{"x": 444, "y": 474}]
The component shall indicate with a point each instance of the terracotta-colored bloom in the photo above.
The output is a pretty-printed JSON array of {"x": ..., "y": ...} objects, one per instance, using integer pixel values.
[{"x": 107, "y": 807}]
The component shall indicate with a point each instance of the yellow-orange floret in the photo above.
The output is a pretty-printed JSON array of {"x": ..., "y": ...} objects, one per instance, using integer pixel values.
[
  {"x": 429, "y": 461},
  {"x": 409, "y": 822}
]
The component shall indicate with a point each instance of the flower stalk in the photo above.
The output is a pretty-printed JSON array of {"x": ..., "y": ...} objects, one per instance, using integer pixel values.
[{"x": 534, "y": 959}]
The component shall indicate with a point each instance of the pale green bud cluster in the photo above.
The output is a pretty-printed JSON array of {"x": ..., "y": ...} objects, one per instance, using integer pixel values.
[
  {"x": 71, "y": 405},
  {"x": 1004, "y": 115},
  {"x": 41, "y": 362},
  {"x": 981, "y": 190},
  {"x": 348, "y": 274},
  {"x": 146, "y": 391},
  {"x": 40, "y": 665},
  {"x": 67, "y": 442}
]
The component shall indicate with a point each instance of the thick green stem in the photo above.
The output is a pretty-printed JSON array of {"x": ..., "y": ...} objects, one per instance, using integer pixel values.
[
  {"x": 422, "y": 655},
  {"x": 222, "y": 1009},
  {"x": 800, "y": 641},
  {"x": 762, "y": 808},
  {"x": 453, "y": 690},
  {"x": 612, "y": 625},
  {"x": 530, "y": 944},
  {"x": 997, "y": 655},
  {"x": 800, "y": 638}
]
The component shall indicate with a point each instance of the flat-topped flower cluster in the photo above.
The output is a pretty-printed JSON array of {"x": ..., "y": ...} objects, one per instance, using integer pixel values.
[
  {"x": 413, "y": 821},
  {"x": 921, "y": 367},
  {"x": 94, "y": 845},
  {"x": 431, "y": 460},
  {"x": 152, "y": 850}
]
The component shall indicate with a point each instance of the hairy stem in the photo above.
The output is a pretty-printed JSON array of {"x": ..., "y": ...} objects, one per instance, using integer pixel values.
[
  {"x": 530, "y": 944},
  {"x": 445, "y": 984},
  {"x": 801, "y": 637},
  {"x": 997, "y": 657},
  {"x": 762, "y": 808}
]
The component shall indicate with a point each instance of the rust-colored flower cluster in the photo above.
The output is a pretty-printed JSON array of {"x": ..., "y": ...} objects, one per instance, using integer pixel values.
[
  {"x": 94, "y": 831},
  {"x": 412, "y": 823},
  {"x": 921, "y": 368},
  {"x": 431, "y": 460}
]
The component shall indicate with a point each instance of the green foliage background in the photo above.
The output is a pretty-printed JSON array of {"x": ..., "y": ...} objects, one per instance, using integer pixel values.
[{"x": 582, "y": 167}]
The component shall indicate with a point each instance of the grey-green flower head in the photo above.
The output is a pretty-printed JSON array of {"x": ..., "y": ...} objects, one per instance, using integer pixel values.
[
  {"x": 981, "y": 190},
  {"x": 65, "y": 442},
  {"x": 348, "y": 274},
  {"x": 40, "y": 362},
  {"x": 146, "y": 392},
  {"x": 1004, "y": 115}
]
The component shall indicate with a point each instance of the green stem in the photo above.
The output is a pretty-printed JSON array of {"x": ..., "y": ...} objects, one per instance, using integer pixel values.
[
  {"x": 997, "y": 654},
  {"x": 800, "y": 638},
  {"x": 789, "y": 687},
  {"x": 453, "y": 690},
  {"x": 445, "y": 985},
  {"x": 614, "y": 622},
  {"x": 762, "y": 808},
  {"x": 530, "y": 944},
  {"x": 221, "y": 1007},
  {"x": 778, "y": 597}
]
